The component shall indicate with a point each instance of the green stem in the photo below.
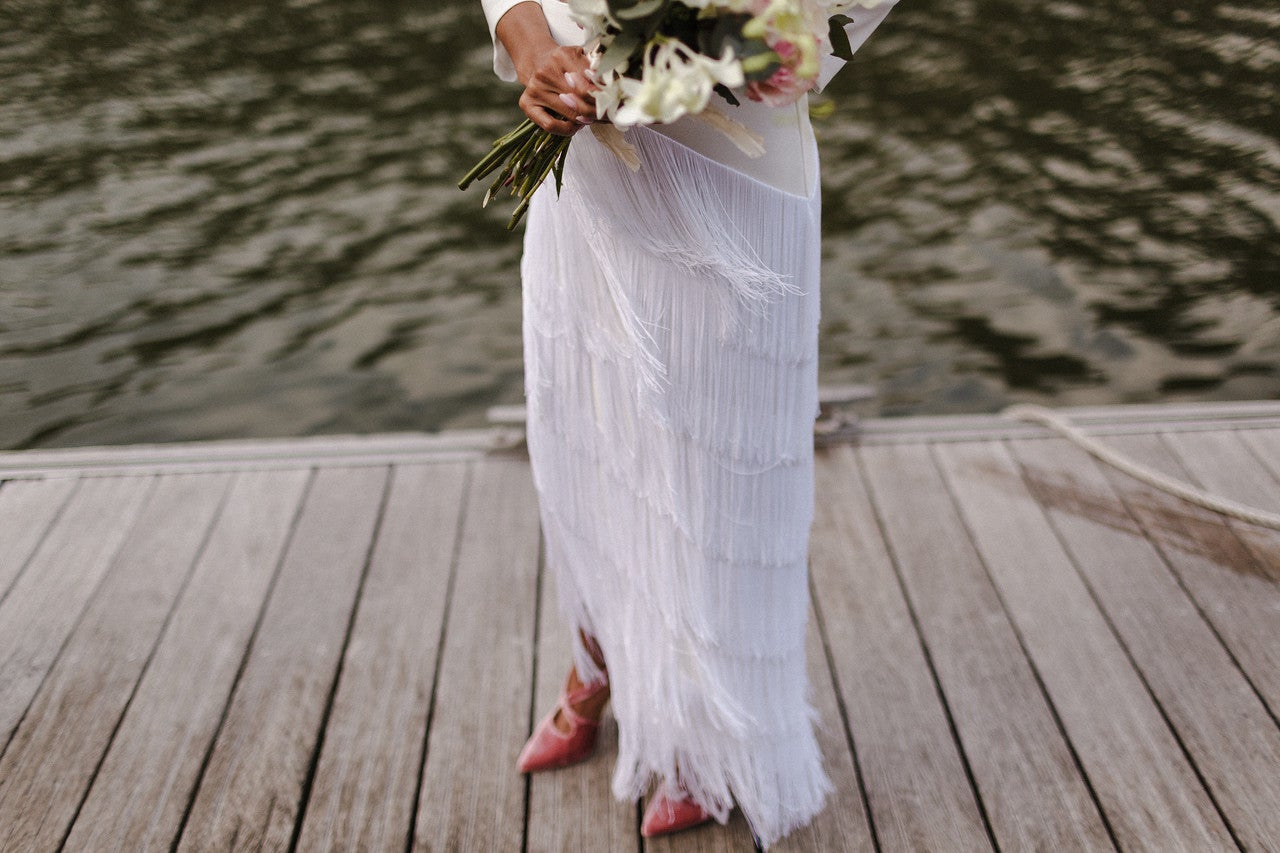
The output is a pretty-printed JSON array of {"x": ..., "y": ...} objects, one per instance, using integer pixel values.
[
  {"x": 523, "y": 157},
  {"x": 516, "y": 165},
  {"x": 498, "y": 152}
]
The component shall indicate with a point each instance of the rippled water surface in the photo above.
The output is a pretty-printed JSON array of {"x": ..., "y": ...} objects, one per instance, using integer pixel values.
[{"x": 240, "y": 219}]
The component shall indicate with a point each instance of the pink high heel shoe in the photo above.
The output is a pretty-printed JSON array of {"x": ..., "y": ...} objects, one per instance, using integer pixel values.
[
  {"x": 671, "y": 810},
  {"x": 549, "y": 748}
]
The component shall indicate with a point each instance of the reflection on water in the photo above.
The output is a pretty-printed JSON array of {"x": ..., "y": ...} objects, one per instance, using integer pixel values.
[{"x": 240, "y": 219}]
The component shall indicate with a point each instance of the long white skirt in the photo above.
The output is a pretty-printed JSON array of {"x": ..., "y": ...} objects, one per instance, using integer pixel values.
[{"x": 670, "y": 341}]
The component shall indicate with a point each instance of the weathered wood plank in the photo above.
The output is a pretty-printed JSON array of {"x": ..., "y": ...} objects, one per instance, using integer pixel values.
[
  {"x": 1233, "y": 590},
  {"x": 249, "y": 794},
  {"x": 231, "y": 466},
  {"x": 1034, "y": 795},
  {"x": 916, "y": 788},
  {"x": 1096, "y": 420},
  {"x": 260, "y": 454},
  {"x": 1164, "y": 413},
  {"x": 149, "y": 774},
  {"x": 1223, "y": 724},
  {"x": 1221, "y": 463},
  {"x": 913, "y": 772},
  {"x": 844, "y": 823},
  {"x": 472, "y": 797},
  {"x": 1146, "y": 786},
  {"x": 977, "y": 430},
  {"x": 26, "y": 511},
  {"x": 51, "y": 759},
  {"x": 573, "y": 808},
  {"x": 1265, "y": 444},
  {"x": 47, "y": 599},
  {"x": 366, "y": 780}
]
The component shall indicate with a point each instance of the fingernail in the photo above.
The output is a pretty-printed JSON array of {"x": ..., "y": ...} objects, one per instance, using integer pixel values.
[
  {"x": 571, "y": 79},
  {"x": 569, "y": 100},
  {"x": 582, "y": 120}
]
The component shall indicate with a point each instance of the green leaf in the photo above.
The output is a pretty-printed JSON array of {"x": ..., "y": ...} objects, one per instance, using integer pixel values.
[
  {"x": 725, "y": 31},
  {"x": 725, "y": 92},
  {"x": 714, "y": 34},
  {"x": 617, "y": 53},
  {"x": 558, "y": 167},
  {"x": 839, "y": 38},
  {"x": 681, "y": 22}
]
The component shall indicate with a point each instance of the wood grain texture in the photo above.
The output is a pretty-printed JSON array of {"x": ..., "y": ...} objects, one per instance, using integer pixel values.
[
  {"x": 362, "y": 798},
  {"x": 249, "y": 794},
  {"x": 47, "y": 599},
  {"x": 1229, "y": 583},
  {"x": 1147, "y": 787},
  {"x": 1224, "y": 725},
  {"x": 1223, "y": 464},
  {"x": 915, "y": 779},
  {"x": 149, "y": 774},
  {"x": 573, "y": 808},
  {"x": 45, "y": 772},
  {"x": 260, "y": 454},
  {"x": 844, "y": 823},
  {"x": 1265, "y": 444},
  {"x": 472, "y": 797},
  {"x": 27, "y": 508},
  {"x": 1096, "y": 420},
  {"x": 278, "y": 696},
  {"x": 1034, "y": 794}
]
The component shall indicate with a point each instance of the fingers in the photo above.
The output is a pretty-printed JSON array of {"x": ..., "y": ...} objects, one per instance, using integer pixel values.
[
  {"x": 578, "y": 78},
  {"x": 544, "y": 115},
  {"x": 575, "y": 108},
  {"x": 569, "y": 92},
  {"x": 581, "y": 91},
  {"x": 560, "y": 95}
]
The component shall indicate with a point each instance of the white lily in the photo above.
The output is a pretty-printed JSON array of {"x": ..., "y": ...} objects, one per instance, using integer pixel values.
[
  {"x": 674, "y": 81},
  {"x": 592, "y": 15}
]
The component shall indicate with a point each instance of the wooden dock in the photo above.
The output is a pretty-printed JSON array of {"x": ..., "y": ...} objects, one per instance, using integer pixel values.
[{"x": 341, "y": 644}]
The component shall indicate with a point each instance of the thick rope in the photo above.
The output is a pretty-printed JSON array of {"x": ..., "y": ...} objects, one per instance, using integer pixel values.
[{"x": 1057, "y": 423}]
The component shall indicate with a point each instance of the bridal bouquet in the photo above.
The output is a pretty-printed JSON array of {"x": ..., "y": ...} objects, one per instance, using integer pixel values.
[{"x": 657, "y": 60}]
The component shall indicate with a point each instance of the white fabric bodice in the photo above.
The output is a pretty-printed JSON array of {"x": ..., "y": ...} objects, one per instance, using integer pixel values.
[{"x": 788, "y": 163}]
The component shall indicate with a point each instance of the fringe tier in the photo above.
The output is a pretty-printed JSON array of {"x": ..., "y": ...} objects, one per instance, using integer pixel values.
[{"x": 670, "y": 339}]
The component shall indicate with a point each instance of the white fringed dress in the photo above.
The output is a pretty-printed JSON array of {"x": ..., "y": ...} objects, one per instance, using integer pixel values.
[{"x": 670, "y": 342}]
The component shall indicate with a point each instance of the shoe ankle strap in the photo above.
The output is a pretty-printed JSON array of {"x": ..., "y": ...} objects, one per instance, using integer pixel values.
[{"x": 570, "y": 698}]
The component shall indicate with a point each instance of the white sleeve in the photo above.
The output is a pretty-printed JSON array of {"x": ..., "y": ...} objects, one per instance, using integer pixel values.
[
  {"x": 864, "y": 22},
  {"x": 493, "y": 12}
]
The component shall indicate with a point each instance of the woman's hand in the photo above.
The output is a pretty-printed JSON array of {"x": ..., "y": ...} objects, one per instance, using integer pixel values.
[
  {"x": 559, "y": 84},
  {"x": 558, "y": 94}
]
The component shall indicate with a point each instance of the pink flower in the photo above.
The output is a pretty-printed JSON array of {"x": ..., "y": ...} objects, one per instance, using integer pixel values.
[{"x": 782, "y": 88}]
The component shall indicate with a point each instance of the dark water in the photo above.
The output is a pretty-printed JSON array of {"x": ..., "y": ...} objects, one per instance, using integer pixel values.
[{"x": 239, "y": 219}]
